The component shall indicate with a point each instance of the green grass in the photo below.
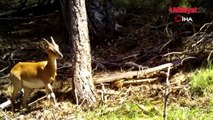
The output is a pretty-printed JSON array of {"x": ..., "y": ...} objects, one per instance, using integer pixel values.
[
  {"x": 123, "y": 112},
  {"x": 189, "y": 113},
  {"x": 126, "y": 111},
  {"x": 202, "y": 81},
  {"x": 130, "y": 111}
]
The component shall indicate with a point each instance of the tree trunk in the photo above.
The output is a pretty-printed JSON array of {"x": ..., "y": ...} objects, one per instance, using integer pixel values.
[{"x": 82, "y": 82}]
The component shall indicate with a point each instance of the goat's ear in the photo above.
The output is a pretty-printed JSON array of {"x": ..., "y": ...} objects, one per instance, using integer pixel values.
[
  {"x": 44, "y": 43},
  {"x": 52, "y": 40}
]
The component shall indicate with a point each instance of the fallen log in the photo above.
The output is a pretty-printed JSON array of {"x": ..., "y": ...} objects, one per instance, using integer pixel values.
[
  {"x": 138, "y": 74},
  {"x": 122, "y": 82}
]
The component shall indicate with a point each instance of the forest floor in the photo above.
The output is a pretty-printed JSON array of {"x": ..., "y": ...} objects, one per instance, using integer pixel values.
[
  {"x": 136, "y": 101},
  {"x": 190, "y": 84}
]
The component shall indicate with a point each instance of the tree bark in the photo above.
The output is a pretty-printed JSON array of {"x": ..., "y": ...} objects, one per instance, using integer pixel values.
[{"x": 82, "y": 82}]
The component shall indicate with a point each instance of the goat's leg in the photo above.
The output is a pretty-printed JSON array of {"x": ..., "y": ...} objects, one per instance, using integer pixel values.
[
  {"x": 17, "y": 86},
  {"x": 14, "y": 96},
  {"x": 50, "y": 93},
  {"x": 27, "y": 92}
]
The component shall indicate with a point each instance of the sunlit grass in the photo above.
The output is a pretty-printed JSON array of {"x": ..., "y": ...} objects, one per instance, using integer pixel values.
[
  {"x": 177, "y": 112},
  {"x": 126, "y": 111},
  {"x": 202, "y": 81},
  {"x": 130, "y": 111}
]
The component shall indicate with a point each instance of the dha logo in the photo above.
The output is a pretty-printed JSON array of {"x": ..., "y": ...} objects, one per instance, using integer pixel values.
[{"x": 179, "y": 18}]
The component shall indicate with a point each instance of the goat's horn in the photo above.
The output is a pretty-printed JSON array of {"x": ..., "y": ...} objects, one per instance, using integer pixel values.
[
  {"x": 52, "y": 40},
  {"x": 46, "y": 41}
]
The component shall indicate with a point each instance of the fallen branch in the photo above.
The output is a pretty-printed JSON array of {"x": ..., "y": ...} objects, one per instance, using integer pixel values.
[
  {"x": 207, "y": 25},
  {"x": 8, "y": 13},
  {"x": 126, "y": 58},
  {"x": 32, "y": 18},
  {"x": 140, "y": 81},
  {"x": 41, "y": 98},
  {"x": 8, "y": 64},
  {"x": 131, "y": 74},
  {"x": 5, "y": 76},
  {"x": 5, "y": 115},
  {"x": 5, "y": 104},
  {"x": 133, "y": 65},
  {"x": 121, "y": 83},
  {"x": 8, "y": 102}
]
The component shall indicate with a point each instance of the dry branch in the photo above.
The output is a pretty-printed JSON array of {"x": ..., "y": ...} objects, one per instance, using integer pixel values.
[
  {"x": 39, "y": 99},
  {"x": 8, "y": 102},
  {"x": 132, "y": 74},
  {"x": 140, "y": 81},
  {"x": 27, "y": 18},
  {"x": 8, "y": 13},
  {"x": 5, "y": 104},
  {"x": 133, "y": 65},
  {"x": 6, "y": 67},
  {"x": 5, "y": 115},
  {"x": 166, "y": 94}
]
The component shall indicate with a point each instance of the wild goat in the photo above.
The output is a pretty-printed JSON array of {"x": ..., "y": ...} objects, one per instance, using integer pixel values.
[{"x": 31, "y": 75}]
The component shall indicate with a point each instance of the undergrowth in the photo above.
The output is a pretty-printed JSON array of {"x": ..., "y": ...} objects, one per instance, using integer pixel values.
[{"x": 199, "y": 106}]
